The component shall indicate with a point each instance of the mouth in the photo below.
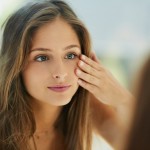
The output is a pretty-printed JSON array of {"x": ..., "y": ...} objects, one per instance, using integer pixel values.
[{"x": 59, "y": 88}]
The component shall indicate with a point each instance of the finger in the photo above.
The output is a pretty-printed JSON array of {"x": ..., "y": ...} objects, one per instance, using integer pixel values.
[
  {"x": 88, "y": 78},
  {"x": 88, "y": 69},
  {"x": 90, "y": 62},
  {"x": 87, "y": 86}
]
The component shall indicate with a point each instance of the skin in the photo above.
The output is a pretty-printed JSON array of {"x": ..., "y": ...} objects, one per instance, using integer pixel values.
[
  {"x": 109, "y": 100},
  {"x": 111, "y": 104},
  {"x": 52, "y": 62}
]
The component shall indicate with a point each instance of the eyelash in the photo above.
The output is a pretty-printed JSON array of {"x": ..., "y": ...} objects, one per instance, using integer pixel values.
[
  {"x": 45, "y": 58},
  {"x": 41, "y": 56},
  {"x": 75, "y": 55}
]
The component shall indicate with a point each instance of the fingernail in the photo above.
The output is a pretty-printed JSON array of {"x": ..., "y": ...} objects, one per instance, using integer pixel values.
[
  {"x": 81, "y": 63},
  {"x": 79, "y": 81},
  {"x": 83, "y": 57},
  {"x": 78, "y": 72}
]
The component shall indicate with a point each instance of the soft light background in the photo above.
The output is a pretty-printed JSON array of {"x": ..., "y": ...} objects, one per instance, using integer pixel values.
[{"x": 120, "y": 32}]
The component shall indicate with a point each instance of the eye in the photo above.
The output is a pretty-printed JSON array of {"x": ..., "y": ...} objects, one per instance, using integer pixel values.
[
  {"x": 41, "y": 58},
  {"x": 71, "y": 56}
]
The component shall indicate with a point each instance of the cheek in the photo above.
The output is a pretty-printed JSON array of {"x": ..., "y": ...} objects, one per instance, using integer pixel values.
[
  {"x": 28, "y": 78},
  {"x": 35, "y": 70},
  {"x": 71, "y": 67},
  {"x": 32, "y": 75},
  {"x": 36, "y": 73}
]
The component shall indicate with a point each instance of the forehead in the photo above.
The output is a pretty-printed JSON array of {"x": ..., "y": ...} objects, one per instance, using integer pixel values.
[{"x": 57, "y": 32}]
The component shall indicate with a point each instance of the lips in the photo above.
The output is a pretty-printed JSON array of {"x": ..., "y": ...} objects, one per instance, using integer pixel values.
[{"x": 59, "y": 88}]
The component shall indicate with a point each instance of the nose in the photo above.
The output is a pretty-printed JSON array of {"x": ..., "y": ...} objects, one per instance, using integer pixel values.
[
  {"x": 59, "y": 72},
  {"x": 59, "y": 76}
]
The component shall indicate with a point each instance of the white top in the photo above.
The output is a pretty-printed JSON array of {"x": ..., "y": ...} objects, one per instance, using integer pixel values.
[{"x": 100, "y": 144}]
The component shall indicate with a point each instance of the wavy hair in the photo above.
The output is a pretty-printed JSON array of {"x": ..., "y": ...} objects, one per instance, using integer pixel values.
[{"x": 17, "y": 122}]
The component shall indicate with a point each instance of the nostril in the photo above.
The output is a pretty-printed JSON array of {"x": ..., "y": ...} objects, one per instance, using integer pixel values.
[
  {"x": 57, "y": 77},
  {"x": 61, "y": 76}
]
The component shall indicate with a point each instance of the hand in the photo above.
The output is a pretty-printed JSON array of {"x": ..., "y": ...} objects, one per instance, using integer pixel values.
[{"x": 98, "y": 80}]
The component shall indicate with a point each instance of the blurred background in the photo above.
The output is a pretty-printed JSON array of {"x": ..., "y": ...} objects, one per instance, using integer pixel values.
[{"x": 119, "y": 29}]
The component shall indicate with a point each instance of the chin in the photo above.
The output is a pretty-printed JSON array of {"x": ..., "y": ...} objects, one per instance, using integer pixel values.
[{"x": 60, "y": 101}]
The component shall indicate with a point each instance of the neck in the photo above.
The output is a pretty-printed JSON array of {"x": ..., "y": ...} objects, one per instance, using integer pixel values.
[{"x": 45, "y": 116}]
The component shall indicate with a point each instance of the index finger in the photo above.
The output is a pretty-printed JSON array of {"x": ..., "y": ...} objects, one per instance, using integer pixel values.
[{"x": 89, "y": 61}]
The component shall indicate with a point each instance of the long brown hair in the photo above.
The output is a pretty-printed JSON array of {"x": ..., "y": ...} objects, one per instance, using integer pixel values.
[
  {"x": 17, "y": 121},
  {"x": 139, "y": 135}
]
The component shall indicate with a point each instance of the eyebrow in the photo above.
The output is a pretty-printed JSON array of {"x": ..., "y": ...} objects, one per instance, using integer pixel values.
[{"x": 46, "y": 49}]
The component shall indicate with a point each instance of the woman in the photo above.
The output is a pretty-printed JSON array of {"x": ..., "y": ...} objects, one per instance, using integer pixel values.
[{"x": 48, "y": 80}]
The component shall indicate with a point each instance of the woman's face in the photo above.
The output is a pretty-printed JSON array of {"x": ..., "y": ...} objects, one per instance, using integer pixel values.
[{"x": 49, "y": 75}]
